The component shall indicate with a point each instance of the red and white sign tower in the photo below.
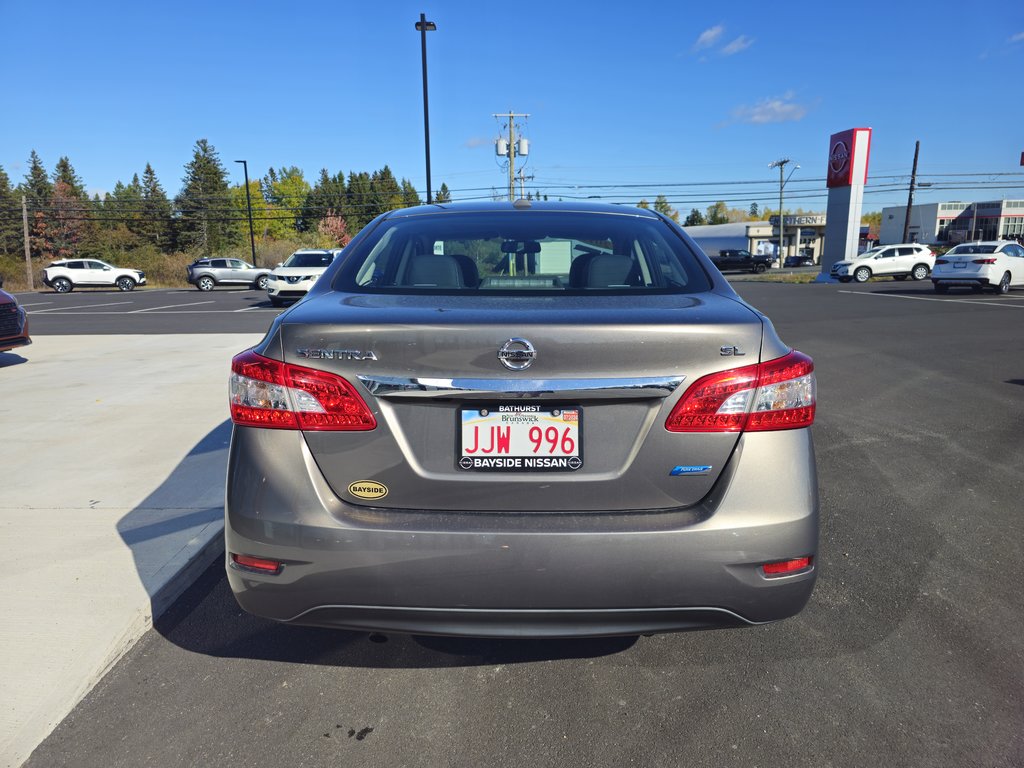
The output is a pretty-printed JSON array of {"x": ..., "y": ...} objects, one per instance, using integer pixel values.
[{"x": 847, "y": 174}]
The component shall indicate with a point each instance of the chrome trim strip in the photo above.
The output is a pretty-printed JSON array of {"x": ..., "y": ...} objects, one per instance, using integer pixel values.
[{"x": 626, "y": 388}]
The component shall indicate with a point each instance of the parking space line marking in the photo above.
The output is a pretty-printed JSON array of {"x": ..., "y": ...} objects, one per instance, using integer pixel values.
[
  {"x": 37, "y": 304},
  {"x": 87, "y": 306},
  {"x": 932, "y": 298},
  {"x": 169, "y": 306}
]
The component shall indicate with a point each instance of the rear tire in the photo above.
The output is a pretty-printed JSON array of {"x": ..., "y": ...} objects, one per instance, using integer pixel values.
[
  {"x": 261, "y": 283},
  {"x": 920, "y": 272},
  {"x": 125, "y": 284},
  {"x": 862, "y": 275},
  {"x": 759, "y": 268},
  {"x": 205, "y": 283},
  {"x": 62, "y": 285},
  {"x": 1003, "y": 286}
]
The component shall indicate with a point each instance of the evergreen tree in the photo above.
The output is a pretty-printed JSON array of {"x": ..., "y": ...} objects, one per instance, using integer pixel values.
[
  {"x": 410, "y": 197},
  {"x": 156, "y": 224},
  {"x": 10, "y": 217},
  {"x": 443, "y": 195},
  {"x": 385, "y": 192},
  {"x": 695, "y": 219},
  {"x": 205, "y": 222},
  {"x": 643, "y": 204},
  {"x": 38, "y": 192},
  {"x": 357, "y": 201},
  {"x": 64, "y": 172},
  {"x": 754, "y": 213}
]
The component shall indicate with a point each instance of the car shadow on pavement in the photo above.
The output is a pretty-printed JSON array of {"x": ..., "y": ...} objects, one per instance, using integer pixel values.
[
  {"x": 175, "y": 532},
  {"x": 8, "y": 359}
]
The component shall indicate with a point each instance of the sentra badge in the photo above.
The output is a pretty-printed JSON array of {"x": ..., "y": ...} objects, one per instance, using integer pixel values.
[{"x": 336, "y": 354}]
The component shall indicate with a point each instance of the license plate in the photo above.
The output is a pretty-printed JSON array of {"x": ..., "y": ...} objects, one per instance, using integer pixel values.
[
  {"x": 520, "y": 438},
  {"x": 959, "y": 264}
]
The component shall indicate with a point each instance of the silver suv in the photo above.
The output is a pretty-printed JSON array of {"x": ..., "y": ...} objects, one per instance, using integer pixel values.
[{"x": 207, "y": 274}]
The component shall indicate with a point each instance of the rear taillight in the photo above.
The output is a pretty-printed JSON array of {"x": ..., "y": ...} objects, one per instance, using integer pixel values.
[
  {"x": 983, "y": 261},
  {"x": 276, "y": 395},
  {"x": 942, "y": 261},
  {"x": 778, "y": 394}
]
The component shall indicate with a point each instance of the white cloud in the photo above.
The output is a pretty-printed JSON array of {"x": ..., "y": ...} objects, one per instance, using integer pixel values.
[
  {"x": 773, "y": 110},
  {"x": 1018, "y": 38},
  {"x": 708, "y": 37},
  {"x": 476, "y": 141},
  {"x": 740, "y": 43}
]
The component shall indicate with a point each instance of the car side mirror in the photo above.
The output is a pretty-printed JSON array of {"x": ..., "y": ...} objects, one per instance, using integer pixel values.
[{"x": 280, "y": 264}]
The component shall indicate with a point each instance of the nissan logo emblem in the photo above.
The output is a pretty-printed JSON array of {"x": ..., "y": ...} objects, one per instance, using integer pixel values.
[
  {"x": 517, "y": 354},
  {"x": 839, "y": 156}
]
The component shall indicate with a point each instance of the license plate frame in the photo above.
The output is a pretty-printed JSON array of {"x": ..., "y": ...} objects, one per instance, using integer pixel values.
[{"x": 518, "y": 419}]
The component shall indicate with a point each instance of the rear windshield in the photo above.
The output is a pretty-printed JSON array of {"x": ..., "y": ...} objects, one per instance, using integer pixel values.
[
  {"x": 960, "y": 249},
  {"x": 307, "y": 260},
  {"x": 523, "y": 252}
]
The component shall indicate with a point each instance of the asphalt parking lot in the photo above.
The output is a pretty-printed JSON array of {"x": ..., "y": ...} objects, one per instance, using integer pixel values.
[{"x": 910, "y": 653}]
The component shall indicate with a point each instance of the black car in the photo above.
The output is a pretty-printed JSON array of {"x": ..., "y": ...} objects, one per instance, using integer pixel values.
[
  {"x": 798, "y": 261},
  {"x": 744, "y": 261}
]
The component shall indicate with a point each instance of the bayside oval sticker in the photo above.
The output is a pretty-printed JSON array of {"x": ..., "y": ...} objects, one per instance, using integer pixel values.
[{"x": 368, "y": 489}]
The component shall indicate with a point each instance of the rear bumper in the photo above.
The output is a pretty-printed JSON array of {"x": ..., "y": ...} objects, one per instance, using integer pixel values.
[{"x": 515, "y": 575}]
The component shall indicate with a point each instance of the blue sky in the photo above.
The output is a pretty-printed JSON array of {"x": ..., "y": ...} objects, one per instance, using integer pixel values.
[{"x": 626, "y": 101}]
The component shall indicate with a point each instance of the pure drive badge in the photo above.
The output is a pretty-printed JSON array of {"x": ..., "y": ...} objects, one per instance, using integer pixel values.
[{"x": 698, "y": 469}]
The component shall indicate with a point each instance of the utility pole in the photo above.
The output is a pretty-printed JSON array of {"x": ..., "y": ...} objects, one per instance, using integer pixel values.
[
  {"x": 28, "y": 248},
  {"x": 510, "y": 150},
  {"x": 910, "y": 198},
  {"x": 248, "y": 206},
  {"x": 781, "y": 165}
]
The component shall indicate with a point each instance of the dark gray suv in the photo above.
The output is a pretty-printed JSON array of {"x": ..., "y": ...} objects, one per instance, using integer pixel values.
[{"x": 207, "y": 274}]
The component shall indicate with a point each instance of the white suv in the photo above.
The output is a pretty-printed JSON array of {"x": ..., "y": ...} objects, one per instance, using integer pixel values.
[
  {"x": 293, "y": 279},
  {"x": 898, "y": 261},
  {"x": 67, "y": 274}
]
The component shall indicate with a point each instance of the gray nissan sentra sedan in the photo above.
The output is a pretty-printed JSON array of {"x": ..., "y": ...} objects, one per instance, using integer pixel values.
[{"x": 522, "y": 420}]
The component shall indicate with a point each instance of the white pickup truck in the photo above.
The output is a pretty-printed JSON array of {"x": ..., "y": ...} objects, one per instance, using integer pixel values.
[{"x": 898, "y": 261}]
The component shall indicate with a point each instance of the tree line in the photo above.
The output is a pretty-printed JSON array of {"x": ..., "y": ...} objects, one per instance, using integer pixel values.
[
  {"x": 716, "y": 213},
  {"x": 206, "y": 217}
]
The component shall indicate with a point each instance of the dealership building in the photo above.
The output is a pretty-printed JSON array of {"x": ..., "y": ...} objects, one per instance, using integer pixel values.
[
  {"x": 803, "y": 235},
  {"x": 955, "y": 222}
]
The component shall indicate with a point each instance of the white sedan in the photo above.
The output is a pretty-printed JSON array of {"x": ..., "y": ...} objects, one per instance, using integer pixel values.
[{"x": 997, "y": 265}]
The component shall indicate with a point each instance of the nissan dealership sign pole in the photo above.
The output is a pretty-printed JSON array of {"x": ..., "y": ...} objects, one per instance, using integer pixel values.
[{"x": 847, "y": 174}]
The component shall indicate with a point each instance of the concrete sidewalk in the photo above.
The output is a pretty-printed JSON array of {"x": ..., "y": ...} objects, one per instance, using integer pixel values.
[{"x": 113, "y": 452}]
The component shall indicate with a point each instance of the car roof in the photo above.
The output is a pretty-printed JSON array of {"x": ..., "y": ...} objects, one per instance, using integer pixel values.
[{"x": 524, "y": 206}]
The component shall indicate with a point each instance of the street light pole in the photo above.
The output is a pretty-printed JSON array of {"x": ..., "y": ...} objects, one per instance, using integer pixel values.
[
  {"x": 248, "y": 206},
  {"x": 424, "y": 26}
]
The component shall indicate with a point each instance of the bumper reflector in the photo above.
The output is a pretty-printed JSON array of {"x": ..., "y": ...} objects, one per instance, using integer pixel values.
[
  {"x": 786, "y": 567},
  {"x": 259, "y": 564}
]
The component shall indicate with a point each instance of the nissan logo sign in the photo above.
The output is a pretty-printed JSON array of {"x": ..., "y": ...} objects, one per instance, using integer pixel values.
[
  {"x": 517, "y": 354},
  {"x": 838, "y": 157}
]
